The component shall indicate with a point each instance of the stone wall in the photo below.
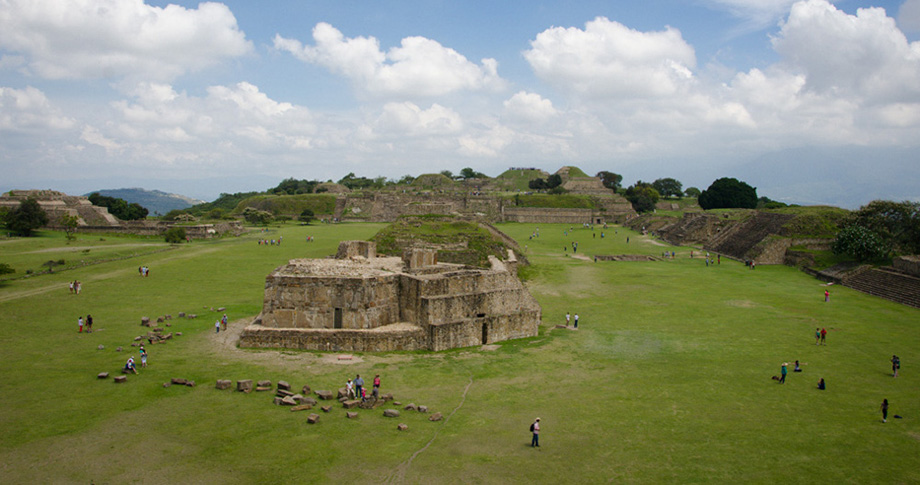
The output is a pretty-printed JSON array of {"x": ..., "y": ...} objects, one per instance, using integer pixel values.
[
  {"x": 350, "y": 249},
  {"x": 908, "y": 264},
  {"x": 544, "y": 215},
  {"x": 388, "y": 339}
]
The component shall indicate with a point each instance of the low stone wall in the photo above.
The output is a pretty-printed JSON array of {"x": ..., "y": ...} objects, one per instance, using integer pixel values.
[
  {"x": 485, "y": 330},
  {"x": 907, "y": 264},
  {"x": 625, "y": 257},
  {"x": 343, "y": 340},
  {"x": 545, "y": 215}
]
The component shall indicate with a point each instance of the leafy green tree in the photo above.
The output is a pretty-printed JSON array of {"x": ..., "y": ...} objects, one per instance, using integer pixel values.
[
  {"x": 70, "y": 224},
  {"x": 692, "y": 192},
  {"x": 447, "y": 173},
  {"x": 537, "y": 184},
  {"x": 728, "y": 193},
  {"x": 668, "y": 187},
  {"x": 861, "y": 243},
  {"x": 896, "y": 223},
  {"x": 174, "y": 214},
  {"x": 292, "y": 186},
  {"x": 175, "y": 235},
  {"x": 306, "y": 216},
  {"x": 119, "y": 208},
  {"x": 642, "y": 196},
  {"x": 553, "y": 181},
  {"x": 256, "y": 216},
  {"x": 468, "y": 173},
  {"x": 216, "y": 213},
  {"x": 768, "y": 203},
  {"x": 26, "y": 218},
  {"x": 405, "y": 180},
  {"x": 356, "y": 183},
  {"x": 6, "y": 269},
  {"x": 610, "y": 180}
]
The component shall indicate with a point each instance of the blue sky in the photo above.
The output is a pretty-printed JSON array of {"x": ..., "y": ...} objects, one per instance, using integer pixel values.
[{"x": 811, "y": 101}]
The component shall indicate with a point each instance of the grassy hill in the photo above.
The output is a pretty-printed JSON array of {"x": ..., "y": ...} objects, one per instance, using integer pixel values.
[
  {"x": 154, "y": 201},
  {"x": 291, "y": 205},
  {"x": 457, "y": 241},
  {"x": 517, "y": 180}
]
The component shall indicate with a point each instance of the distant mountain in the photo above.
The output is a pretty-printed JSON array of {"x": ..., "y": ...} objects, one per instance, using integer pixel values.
[{"x": 153, "y": 200}]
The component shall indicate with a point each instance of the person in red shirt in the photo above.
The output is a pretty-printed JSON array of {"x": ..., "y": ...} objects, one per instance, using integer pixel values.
[
  {"x": 823, "y": 336},
  {"x": 376, "y": 391}
]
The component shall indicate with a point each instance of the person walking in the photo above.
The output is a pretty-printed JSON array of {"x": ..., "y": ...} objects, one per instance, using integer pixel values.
[
  {"x": 783, "y": 371},
  {"x": 80, "y": 324},
  {"x": 827, "y": 296},
  {"x": 89, "y": 323},
  {"x": 217, "y": 326},
  {"x": 535, "y": 429},
  {"x": 223, "y": 322},
  {"x": 817, "y": 336},
  {"x": 823, "y": 336},
  {"x": 884, "y": 408},
  {"x": 895, "y": 365},
  {"x": 143, "y": 356},
  {"x": 576, "y": 320},
  {"x": 568, "y": 319}
]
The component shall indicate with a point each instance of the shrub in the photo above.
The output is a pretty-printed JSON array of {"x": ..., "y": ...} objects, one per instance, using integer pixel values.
[
  {"x": 175, "y": 235},
  {"x": 861, "y": 243}
]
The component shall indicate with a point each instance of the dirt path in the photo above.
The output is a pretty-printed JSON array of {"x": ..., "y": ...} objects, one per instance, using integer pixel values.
[{"x": 399, "y": 474}]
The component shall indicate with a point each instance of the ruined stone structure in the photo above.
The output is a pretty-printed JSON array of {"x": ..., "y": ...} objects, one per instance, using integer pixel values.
[
  {"x": 57, "y": 204},
  {"x": 361, "y": 302}
]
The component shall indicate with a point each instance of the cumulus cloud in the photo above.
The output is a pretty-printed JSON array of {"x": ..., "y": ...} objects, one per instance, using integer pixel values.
[
  {"x": 608, "y": 59},
  {"x": 28, "y": 110},
  {"x": 66, "y": 39},
  {"x": 417, "y": 67},
  {"x": 528, "y": 107},
  {"x": 407, "y": 118},
  {"x": 909, "y": 16}
]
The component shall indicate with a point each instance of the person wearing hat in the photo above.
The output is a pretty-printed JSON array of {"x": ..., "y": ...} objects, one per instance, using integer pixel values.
[
  {"x": 535, "y": 428},
  {"x": 782, "y": 379}
]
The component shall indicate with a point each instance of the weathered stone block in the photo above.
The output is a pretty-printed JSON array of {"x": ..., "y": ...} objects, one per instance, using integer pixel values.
[
  {"x": 326, "y": 409},
  {"x": 288, "y": 401},
  {"x": 263, "y": 388},
  {"x": 402, "y": 427},
  {"x": 351, "y": 415},
  {"x": 244, "y": 385},
  {"x": 302, "y": 407},
  {"x": 145, "y": 321},
  {"x": 283, "y": 393},
  {"x": 423, "y": 409},
  {"x": 411, "y": 407},
  {"x": 284, "y": 385},
  {"x": 121, "y": 379},
  {"x": 325, "y": 395},
  {"x": 224, "y": 384},
  {"x": 178, "y": 380},
  {"x": 435, "y": 417},
  {"x": 264, "y": 383},
  {"x": 313, "y": 418},
  {"x": 391, "y": 413},
  {"x": 351, "y": 404},
  {"x": 103, "y": 375}
]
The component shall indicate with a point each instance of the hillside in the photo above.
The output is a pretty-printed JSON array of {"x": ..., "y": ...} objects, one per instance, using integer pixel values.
[
  {"x": 290, "y": 205},
  {"x": 154, "y": 201},
  {"x": 457, "y": 241}
]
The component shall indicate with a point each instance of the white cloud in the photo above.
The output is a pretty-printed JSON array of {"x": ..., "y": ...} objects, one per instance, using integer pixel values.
[
  {"x": 417, "y": 67},
  {"x": 93, "y": 136},
  {"x": 407, "y": 118},
  {"x": 28, "y": 110},
  {"x": 756, "y": 14},
  {"x": 608, "y": 59},
  {"x": 529, "y": 107},
  {"x": 83, "y": 39},
  {"x": 909, "y": 16},
  {"x": 250, "y": 99}
]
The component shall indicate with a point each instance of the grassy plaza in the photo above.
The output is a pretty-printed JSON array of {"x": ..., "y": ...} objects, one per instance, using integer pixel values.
[{"x": 666, "y": 380}]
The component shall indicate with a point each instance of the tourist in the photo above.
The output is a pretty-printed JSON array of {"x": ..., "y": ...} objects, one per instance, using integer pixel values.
[
  {"x": 823, "y": 336},
  {"x": 363, "y": 394},
  {"x": 827, "y": 296},
  {"x": 143, "y": 357},
  {"x": 359, "y": 384},
  {"x": 80, "y": 324},
  {"x": 895, "y": 364},
  {"x": 817, "y": 336},
  {"x": 376, "y": 392},
  {"x": 89, "y": 323},
  {"x": 783, "y": 371},
  {"x": 567, "y": 319},
  {"x": 349, "y": 389},
  {"x": 821, "y": 385},
  {"x": 217, "y": 326},
  {"x": 535, "y": 429},
  {"x": 576, "y": 320},
  {"x": 719, "y": 258},
  {"x": 797, "y": 368},
  {"x": 223, "y": 321},
  {"x": 129, "y": 366},
  {"x": 71, "y": 287},
  {"x": 76, "y": 287},
  {"x": 884, "y": 408}
]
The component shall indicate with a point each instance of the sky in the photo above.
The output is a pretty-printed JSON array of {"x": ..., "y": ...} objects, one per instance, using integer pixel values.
[{"x": 811, "y": 102}]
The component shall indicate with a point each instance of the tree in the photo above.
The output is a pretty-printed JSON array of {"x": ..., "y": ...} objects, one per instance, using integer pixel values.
[
  {"x": 728, "y": 193},
  {"x": 861, "y": 243},
  {"x": 668, "y": 187},
  {"x": 553, "y": 181},
  {"x": 306, "y": 216},
  {"x": 26, "y": 218},
  {"x": 52, "y": 263},
  {"x": 292, "y": 186},
  {"x": 468, "y": 173},
  {"x": 896, "y": 223},
  {"x": 70, "y": 224},
  {"x": 6, "y": 269},
  {"x": 175, "y": 235},
  {"x": 610, "y": 180},
  {"x": 692, "y": 192},
  {"x": 119, "y": 208},
  {"x": 537, "y": 184},
  {"x": 447, "y": 173},
  {"x": 256, "y": 216},
  {"x": 642, "y": 196}
]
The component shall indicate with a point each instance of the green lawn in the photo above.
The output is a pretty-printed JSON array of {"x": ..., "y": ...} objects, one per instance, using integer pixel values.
[{"x": 667, "y": 379}]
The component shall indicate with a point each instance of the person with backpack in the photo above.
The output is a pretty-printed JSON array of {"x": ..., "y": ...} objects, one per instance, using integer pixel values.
[{"x": 535, "y": 429}]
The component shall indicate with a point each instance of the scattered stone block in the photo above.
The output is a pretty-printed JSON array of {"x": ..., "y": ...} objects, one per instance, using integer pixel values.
[
  {"x": 562, "y": 326},
  {"x": 190, "y": 383},
  {"x": 305, "y": 390},
  {"x": 386, "y": 397},
  {"x": 351, "y": 415},
  {"x": 221, "y": 309},
  {"x": 263, "y": 388},
  {"x": 277, "y": 401},
  {"x": 168, "y": 336},
  {"x": 283, "y": 393},
  {"x": 326, "y": 409},
  {"x": 342, "y": 393},
  {"x": 145, "y": 321},
  {"x": 244, "y": 385},
  {"x": 178, "y": 334},
  {"x": 157, "y": 330},
  {"x": 391, "y": 413},
  {"x": 402, "y": 427},
  {"x": 264, "y": 383},
  {"x": 351, "y": 404},
  {"x": 343, "y": 399},
  {"x": 167, "y": 384},
  {"x": 118, "y": 349},
  {"x": 288, "y": 401},
  {"x": 181, "y": 314},
  {"x": 103, "y": 375},
  {"x": 137, "y": 338},
  {"x": 121, "y": 379},
  {"x": 301, "y": 407},
  {"x": 223, "y": 384},
  {"x": 411, "y": 407},
  {"x": 325, "y": 395},
  {"x": 160, "y": 320},
  {"x": 309, "y": 400},
  {"x": 313, "y": 418},
  {"x": 191, "y": 315},
  {"x": 169, "y": 325},
  {"x": 179, "y": 381},
  {"x": 397, "y": 403},
  {"x": 284, "y": 385},
  {"x": 423, "y": 409},
  {"x": 135, "y": 344},
  {"x": 168, "y": 317},
  {"x": 298, "y": 398},
  {"x": 435, "y": 417},
  {"x": 100, "y": 347}
]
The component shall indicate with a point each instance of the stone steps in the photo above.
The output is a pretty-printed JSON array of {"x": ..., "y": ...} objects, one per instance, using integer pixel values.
[{"x": 887, "y": 284}]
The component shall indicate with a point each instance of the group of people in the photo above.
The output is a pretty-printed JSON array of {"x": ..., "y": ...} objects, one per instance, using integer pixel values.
[
  {"x": 88, "y": 323},
  {"x": 130, "y": 365},
  {"x": 355, "y": 388},
  {"x": 143, "y": 271},
  {"x": 75, "y": 287},
  {"x": 568, "y": 319},
  {"x": 221, "y": 323},
  {"x": 273, "y": 242},
  {"x": 820, "y": 336}
]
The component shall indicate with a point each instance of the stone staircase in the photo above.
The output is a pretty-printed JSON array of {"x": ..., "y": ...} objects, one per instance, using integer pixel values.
[
  {"x": 888, "y": 284},
  {"x": 738, "y": 241}
]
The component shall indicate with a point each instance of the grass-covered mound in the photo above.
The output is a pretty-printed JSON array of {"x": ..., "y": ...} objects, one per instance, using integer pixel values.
[
  {"x": 518, "y": 180},
  {"x": 433, "y": 181},
  {"x": 290, "y": 205},
  {"x": 813, "y": 221},
  {"x": 457, "y": 241},
  {"x": 569, "y": 172}
]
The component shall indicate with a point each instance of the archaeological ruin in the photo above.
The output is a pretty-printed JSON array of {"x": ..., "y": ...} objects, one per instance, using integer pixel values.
[{"x": 358, "y": 301}]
